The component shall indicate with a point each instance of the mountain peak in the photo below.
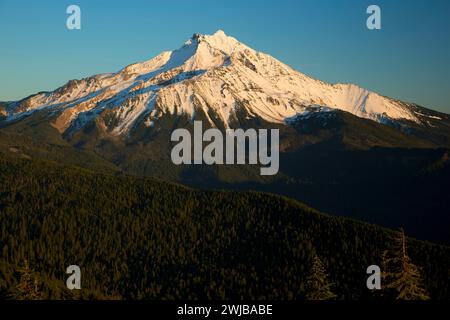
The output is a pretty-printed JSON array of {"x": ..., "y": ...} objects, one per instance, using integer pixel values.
[
  {"x": 220, "y": 36},
  {"x": 219, "y": 41},
  {"x": 220, "y": 33},
  {"x": 213, "y": 74}
]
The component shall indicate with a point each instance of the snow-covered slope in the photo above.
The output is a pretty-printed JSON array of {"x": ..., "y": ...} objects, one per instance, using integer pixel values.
[{"x": 216, "y": 74}]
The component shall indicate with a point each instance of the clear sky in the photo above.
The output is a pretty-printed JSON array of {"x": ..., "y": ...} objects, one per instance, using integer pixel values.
[{"x": 408, "y": 59}]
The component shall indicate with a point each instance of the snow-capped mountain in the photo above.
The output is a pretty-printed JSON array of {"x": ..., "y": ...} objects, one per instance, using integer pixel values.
[
  {"x": 343, "y": 149},
  {"x": 213, "y": 74}
]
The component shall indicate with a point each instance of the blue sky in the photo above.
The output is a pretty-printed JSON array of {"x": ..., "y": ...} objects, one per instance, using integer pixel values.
[{"x": 327, "y": 39}]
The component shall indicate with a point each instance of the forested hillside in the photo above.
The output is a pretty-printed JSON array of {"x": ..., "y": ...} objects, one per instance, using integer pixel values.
[{"x": 140, "y": 238}]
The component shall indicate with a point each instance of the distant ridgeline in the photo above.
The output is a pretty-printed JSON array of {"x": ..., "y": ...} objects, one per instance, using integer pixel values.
[{"x": 140, "y": 238}]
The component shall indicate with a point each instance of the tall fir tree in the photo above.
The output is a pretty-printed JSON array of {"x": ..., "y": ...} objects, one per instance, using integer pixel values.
[
  {"x": 403, "y": 275},
  {"x": 29, "y": 284},
  {"x": 318, "y": 287}
]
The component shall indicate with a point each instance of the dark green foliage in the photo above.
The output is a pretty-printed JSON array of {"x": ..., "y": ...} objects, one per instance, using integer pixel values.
[
  {"x": 402, "y": 274},
  {"x": 29, "y": 285},
  {"x": 318, "y": 286},
  {"x": 392, "y": 175},
  {"x": 138, "y": 238}
]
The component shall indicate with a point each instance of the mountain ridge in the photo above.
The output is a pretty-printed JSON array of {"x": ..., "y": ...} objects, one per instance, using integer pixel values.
[
  {"x": 216, "y": 74},
  {"x": 214, "y": 245},
  {"x": 123, "y": 121}
]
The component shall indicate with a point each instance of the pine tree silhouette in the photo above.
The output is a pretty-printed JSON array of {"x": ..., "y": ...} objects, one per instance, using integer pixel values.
[
  {"x": 318, "y": 286},
  {"x": 29, "y": 284},
  {"x": 405, "y": 276}
]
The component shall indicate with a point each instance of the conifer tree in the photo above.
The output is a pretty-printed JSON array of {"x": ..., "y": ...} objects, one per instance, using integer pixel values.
[
  {"x": 29, "y": 284},
  {"x": 318, "y": 286},
  {"x": 405, "y": 276}
]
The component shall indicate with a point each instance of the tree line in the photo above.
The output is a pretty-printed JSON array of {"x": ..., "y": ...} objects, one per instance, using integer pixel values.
[{"x": 141, "y": 238}]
